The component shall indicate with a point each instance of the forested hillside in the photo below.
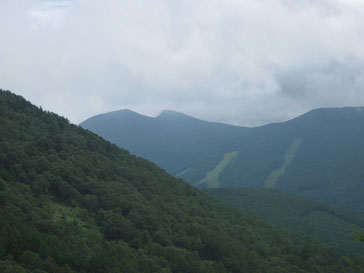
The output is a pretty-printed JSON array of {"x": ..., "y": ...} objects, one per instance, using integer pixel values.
[
  {"x": 72, "y": 202},
  {"x": 331, "y": 226},
  {"x": 318, "y": 155}
]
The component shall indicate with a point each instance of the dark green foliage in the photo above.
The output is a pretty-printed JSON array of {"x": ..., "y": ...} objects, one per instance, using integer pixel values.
[
  {"x": 360, "y": 237},
  {"x": 72, "y": 202},
  {"x": 326, "y": 166},
  {"x": 326, "y": 224}
]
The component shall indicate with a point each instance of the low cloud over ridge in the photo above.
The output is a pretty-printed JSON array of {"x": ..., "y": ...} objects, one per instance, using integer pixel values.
[{"x": 241, "y": 62}]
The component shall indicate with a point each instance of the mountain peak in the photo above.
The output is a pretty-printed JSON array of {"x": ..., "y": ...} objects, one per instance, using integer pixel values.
[
  {"x": 332, "y": 114},
  {"x": 172, "y": 114},
  {"x": 123, "y": 112}
]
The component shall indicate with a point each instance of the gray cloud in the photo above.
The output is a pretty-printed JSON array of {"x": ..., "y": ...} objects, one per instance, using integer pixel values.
[{"x": 242, "y": 62}]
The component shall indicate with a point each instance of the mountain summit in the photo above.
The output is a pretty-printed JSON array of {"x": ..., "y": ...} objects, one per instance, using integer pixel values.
[
  {"x": 163, "y": 138},
  {"x": 172, "y": 114}
]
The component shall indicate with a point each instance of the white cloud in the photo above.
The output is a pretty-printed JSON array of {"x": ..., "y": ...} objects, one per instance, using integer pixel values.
[
  {"x": 49, "y": 13},
  {"x": 244, "y": 62}
]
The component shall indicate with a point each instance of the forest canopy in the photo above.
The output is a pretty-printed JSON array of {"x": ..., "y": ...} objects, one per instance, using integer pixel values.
[{"x": 73, "y": 202}]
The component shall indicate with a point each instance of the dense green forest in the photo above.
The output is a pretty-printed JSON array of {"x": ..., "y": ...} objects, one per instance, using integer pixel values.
[
  {"x": 318, "y": 155},
  {"x": 72, "y": 202},
  {"x": 329, "y": 225}
]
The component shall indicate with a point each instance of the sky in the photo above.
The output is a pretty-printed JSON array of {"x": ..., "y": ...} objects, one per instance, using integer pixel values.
[{"x": 242, "y": 62}]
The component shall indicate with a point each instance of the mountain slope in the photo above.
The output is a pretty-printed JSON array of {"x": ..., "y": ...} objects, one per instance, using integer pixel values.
[
  {"x": 72, "y": 202},
  {"x": 325, "y": 152},
  {"x": 172, "y": 140},
  {"x": 328, "y": 225},
  {"x": 318, "y": 155}
]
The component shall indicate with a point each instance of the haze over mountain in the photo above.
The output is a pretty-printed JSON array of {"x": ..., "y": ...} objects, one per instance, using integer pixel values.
[
  {"x": 318, "y": 155},
  {"x": 172, "y": 140},
  {"x": 73, "y": 202}
]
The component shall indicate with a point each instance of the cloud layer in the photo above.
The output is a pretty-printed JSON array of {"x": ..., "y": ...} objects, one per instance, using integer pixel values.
[{"x": 241, "y": 62}]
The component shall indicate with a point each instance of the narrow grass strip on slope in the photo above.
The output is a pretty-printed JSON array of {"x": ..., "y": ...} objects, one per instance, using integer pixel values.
[
  {"x": 212, "y": 177},
  {"x": 183, "y": 172},
  {"x": 288, "y": 157}
]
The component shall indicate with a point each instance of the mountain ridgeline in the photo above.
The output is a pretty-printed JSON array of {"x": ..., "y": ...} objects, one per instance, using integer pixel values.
[
  {"x": 318, "y": 155},
  {"x": 73, "y": 202},
  {"x": 170, "y": 140}
]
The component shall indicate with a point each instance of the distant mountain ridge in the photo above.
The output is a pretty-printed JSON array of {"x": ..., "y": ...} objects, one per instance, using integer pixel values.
[
  {"x": 161, "y": 138},
  {"x": 319, "y": 154}
]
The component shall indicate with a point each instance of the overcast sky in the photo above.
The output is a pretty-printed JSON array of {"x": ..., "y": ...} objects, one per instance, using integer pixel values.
[{"x": 246, "y": 62}]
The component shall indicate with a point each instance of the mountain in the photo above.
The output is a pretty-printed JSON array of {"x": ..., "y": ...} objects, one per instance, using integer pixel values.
[
  {"x": 171, "y": 140},
  {"x": 73, "y": 202},
  {"x": 329, "y": 225},
  {"x": 318, "y": 155}
]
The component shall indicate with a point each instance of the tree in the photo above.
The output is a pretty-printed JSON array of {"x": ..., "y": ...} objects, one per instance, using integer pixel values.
[{"x": 360, "y": 237}]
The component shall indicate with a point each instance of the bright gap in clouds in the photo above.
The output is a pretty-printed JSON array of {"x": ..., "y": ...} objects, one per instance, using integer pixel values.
[
  {"x": 241, "y": 62},
  {"x": 49, "y": 13}
]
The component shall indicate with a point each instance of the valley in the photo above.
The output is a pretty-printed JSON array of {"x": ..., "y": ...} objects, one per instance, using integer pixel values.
[{"x": 329, "y": 225}]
